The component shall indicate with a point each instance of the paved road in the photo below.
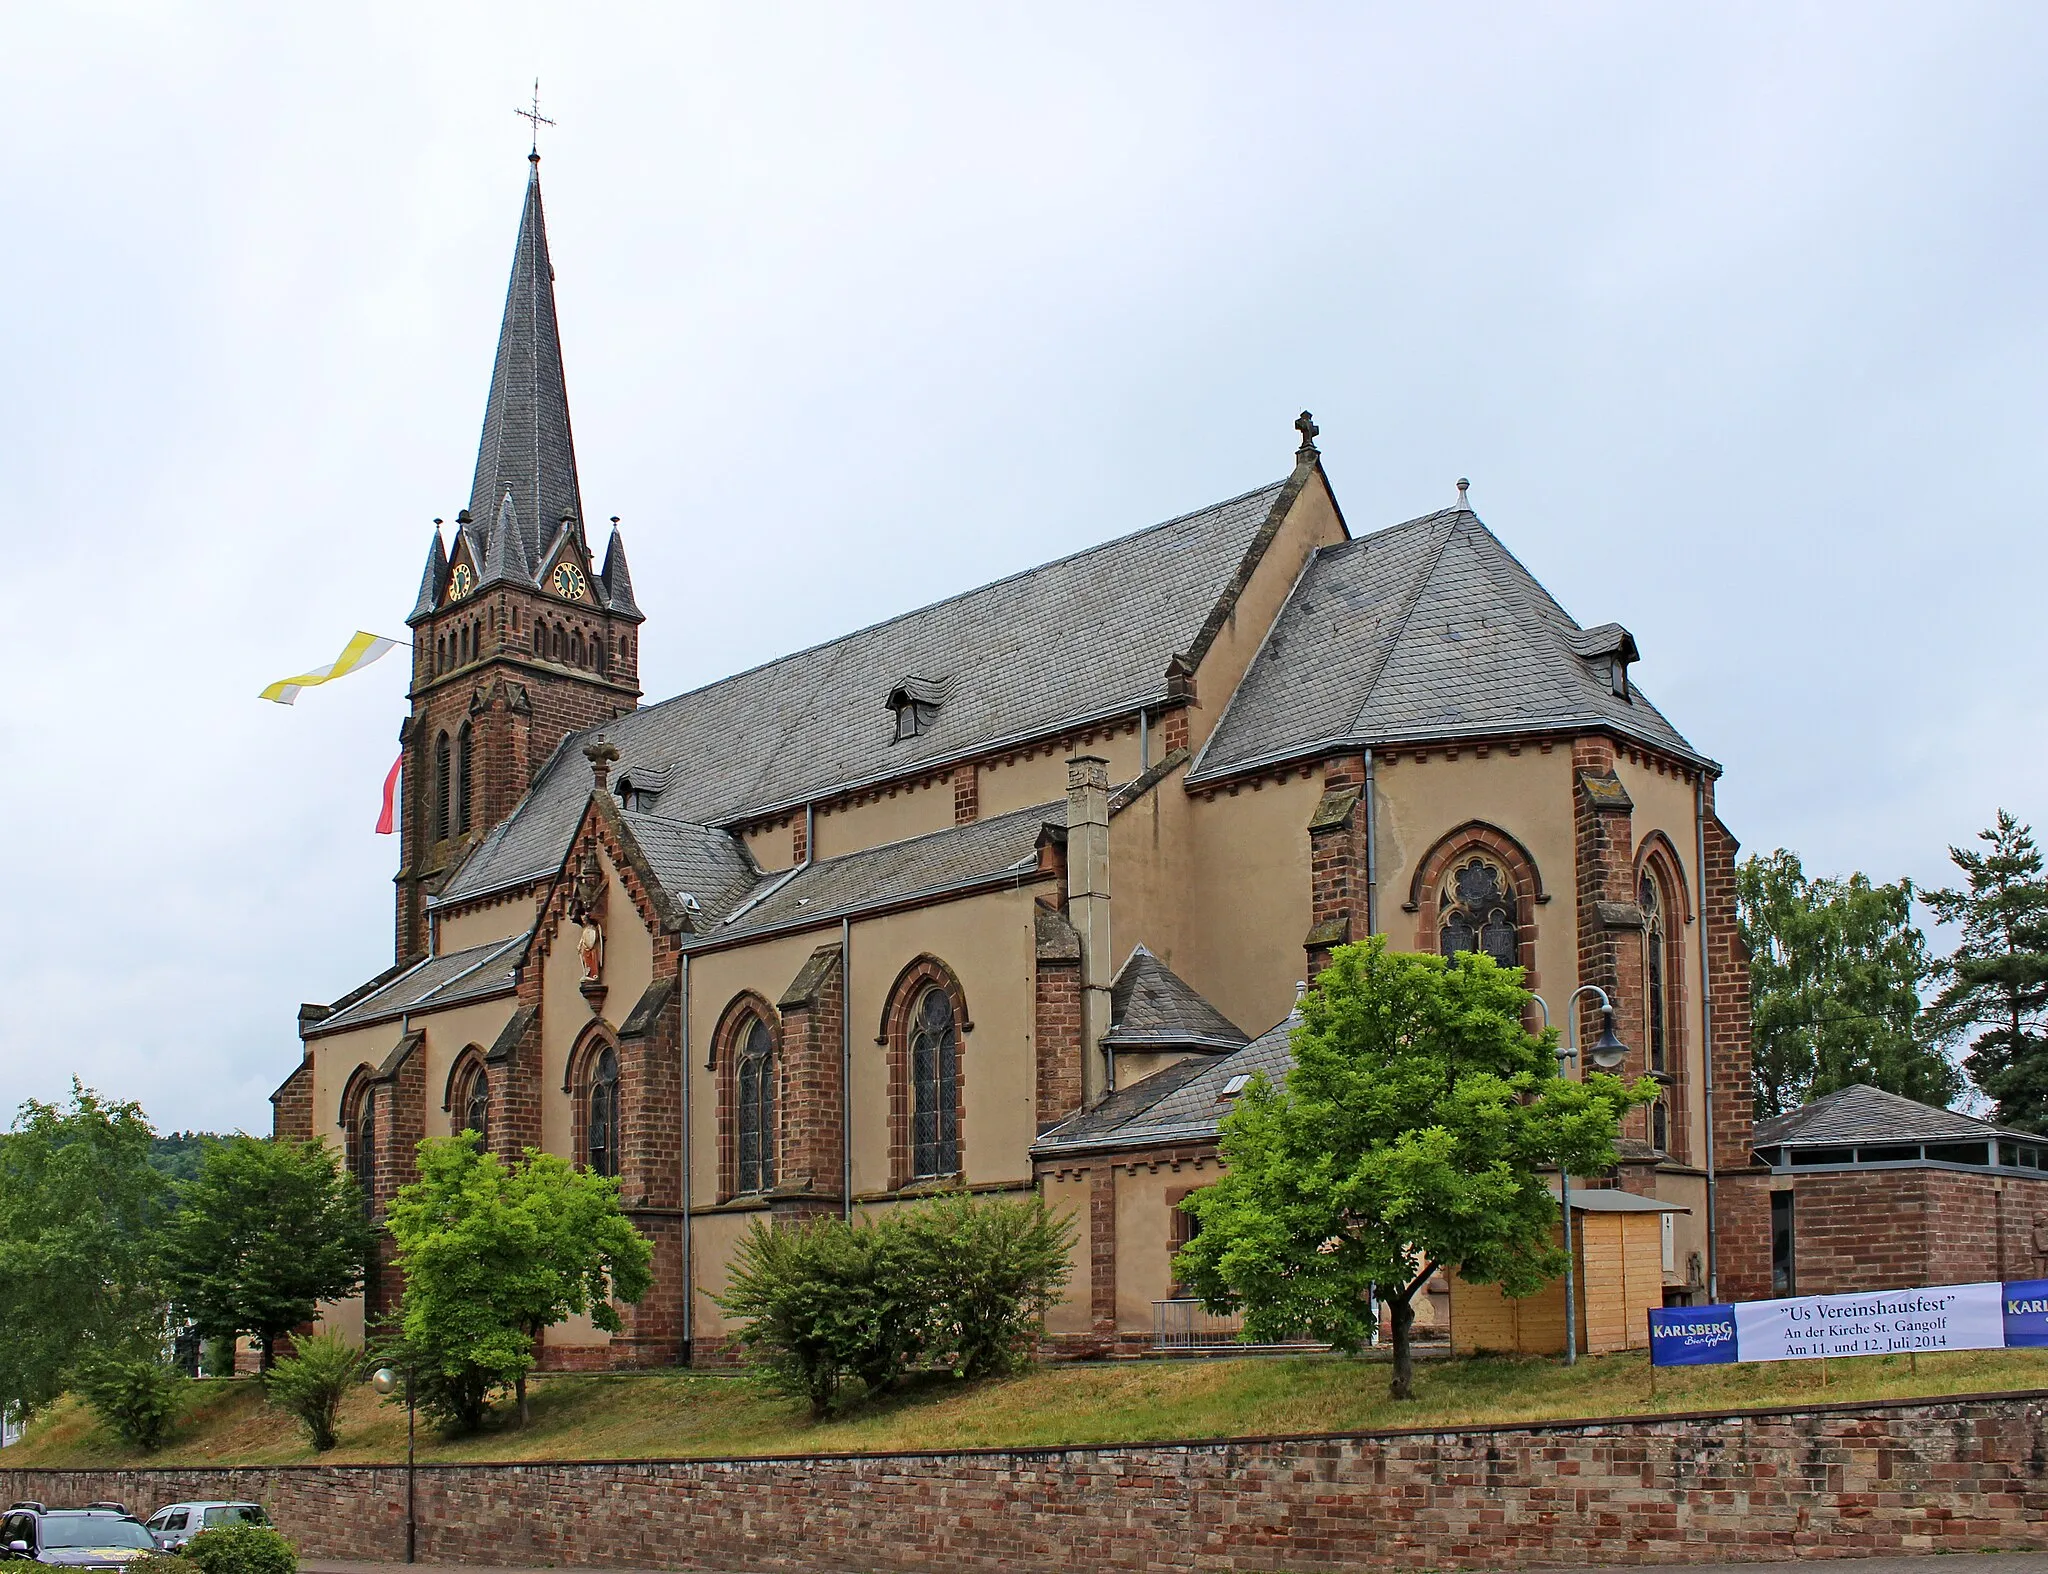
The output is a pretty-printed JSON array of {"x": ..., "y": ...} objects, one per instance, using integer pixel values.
[{"x": 1934, "y": 1563}]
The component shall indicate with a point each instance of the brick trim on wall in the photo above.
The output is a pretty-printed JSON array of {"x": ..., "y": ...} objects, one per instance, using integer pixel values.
[
  {"x": 741, "y": 1012},
  {"x": 1524, "y": 877}
]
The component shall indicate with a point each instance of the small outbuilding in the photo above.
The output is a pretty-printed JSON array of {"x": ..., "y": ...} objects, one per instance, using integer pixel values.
[{"x": 1620, "y": 1245}]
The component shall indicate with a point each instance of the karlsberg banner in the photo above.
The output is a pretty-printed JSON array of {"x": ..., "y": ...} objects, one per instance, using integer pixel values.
[{"x": 1878, "y": 1322}]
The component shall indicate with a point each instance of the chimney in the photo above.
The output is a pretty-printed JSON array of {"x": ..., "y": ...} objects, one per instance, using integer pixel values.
[{"x": 1088, "y": 911}]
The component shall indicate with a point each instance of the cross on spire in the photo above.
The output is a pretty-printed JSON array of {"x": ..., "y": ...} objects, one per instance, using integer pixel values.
[{"x": 537, "y": 118}]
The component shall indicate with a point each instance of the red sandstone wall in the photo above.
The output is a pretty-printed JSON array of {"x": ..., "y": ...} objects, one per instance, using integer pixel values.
[{"x": 1858, "y": 1479}]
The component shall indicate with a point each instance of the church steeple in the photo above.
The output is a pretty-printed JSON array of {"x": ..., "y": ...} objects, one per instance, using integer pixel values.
[{"x": 527, "y": 453}]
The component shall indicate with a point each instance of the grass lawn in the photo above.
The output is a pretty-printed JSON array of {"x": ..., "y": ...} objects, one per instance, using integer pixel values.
[{"x": 670, "y": 1416}]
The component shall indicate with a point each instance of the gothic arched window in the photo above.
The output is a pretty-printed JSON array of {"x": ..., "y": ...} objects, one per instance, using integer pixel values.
[
  {"x": 601, "y": 1142},
  {"x": 540, "y": 639},
  {"x": 1655, "y": 1007},
  {"x": 442, "y": 787},
  {"x": 1660, "y": 1127},
  {"x": 1478, "y": 913},
  {"x": 363, "y": 1152},
  {"x": 935, "y": 1084},
  {"x": 473, "y": 1106},
  {"x": 755, "y": 1079},
  {"x": 465, "y": 780}
]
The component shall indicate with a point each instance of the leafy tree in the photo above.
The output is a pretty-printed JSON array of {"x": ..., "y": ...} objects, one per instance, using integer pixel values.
[
  {"x": 494, "y": 1254},
  {"x": 1411, "y": 1135},
  {"x": 265, "y": 1232},
  {"x": 826, "y": 1301},
  {"x": 1997, "y": 977},
  {"x": 79, "y": 1210},
  {"x": 993, "y": 1267},
  {"x": 176, "y": 1155},
  {"x": 313, "y": 1380},
  {"x": 135, "y": 1395},
  {"x": 1835, "y": 967}
]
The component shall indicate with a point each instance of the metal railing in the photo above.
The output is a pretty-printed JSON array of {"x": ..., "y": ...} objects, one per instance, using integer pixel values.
[{"x": 1182, "y": 1324}]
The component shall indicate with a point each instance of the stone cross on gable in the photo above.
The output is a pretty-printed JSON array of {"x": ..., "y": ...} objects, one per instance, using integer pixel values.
[{"x": 1306, "y": 425}]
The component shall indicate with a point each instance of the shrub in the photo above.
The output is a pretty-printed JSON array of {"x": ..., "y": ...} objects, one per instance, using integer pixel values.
[
  {"x": 136, "y": 1397},
  {"x": 311, "y": 1383},
  {"x": 991, "y": 1268},
  {"x": 827, "y": 1301},
  {"x": 241, "y": 1549}
]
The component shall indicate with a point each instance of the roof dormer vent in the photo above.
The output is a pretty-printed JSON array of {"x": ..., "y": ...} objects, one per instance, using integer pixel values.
[
  {"x": 1609, "y": 649},
  {"x": 916, "y": 702}
]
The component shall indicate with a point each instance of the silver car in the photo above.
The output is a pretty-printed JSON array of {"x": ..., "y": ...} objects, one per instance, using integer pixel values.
[{"x": 177, "y": 1523}]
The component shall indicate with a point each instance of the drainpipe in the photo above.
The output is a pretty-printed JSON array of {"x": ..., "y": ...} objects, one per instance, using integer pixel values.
[
  {"x": 810, "y": 833},
  {"x": 1699, "y": 821},
  {"x": 1144, "y": 740},
  {"x": 689, "y": 1228},
  {"x": 846, "y": 1068},
  {"x": 1088, "y": 912},
  {"x": 1372, "y": 853}
]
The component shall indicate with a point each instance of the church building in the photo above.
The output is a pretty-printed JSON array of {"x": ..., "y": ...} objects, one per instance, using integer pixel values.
[{"x": 1008, "y": 892}]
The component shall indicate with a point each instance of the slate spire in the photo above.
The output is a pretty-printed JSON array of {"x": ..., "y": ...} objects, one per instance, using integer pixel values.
[
  {"x": 432, "y": 580},
  {"x": 526, "y": 452},
  {"x": 617, "y": 578}
]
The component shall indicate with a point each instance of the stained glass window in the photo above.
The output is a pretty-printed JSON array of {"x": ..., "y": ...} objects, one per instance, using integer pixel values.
[
  {"x": 756, "y": 1090},
  {"x": 1478, "y": 911},
  {"x": 1653, "y": 972},
  {"x": 603, "y": 1143},
  {"x": 474, "y": 1112},
  {"x": 935, "y": 1079}
]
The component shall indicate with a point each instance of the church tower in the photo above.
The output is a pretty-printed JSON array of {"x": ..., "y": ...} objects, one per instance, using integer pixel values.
[{"x": 520, "y": 636}]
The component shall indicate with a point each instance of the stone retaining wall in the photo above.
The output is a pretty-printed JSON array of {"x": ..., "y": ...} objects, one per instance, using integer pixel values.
[{"x": 1961, "y": 1474}]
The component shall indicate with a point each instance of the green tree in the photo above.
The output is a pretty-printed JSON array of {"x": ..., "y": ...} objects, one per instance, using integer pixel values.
[
  {"x": 1996, "y": 994},
  {"x": 1411, "y": 1134},
  {"x": 1835, "y": 972},
  {"x": 176, "y": 1155},
  {"x": 265, "y": 1232},
  {"x": 313, "y": 1380},
  {"x": 79, "y": 1212},
  {"x": 493, "y": 1255},
  {"x": 135, "y": 1395},
  {"x": 993, "y": 1266}
]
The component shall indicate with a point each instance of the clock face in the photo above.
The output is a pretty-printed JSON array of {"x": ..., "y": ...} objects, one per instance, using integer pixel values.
[
  {"x": 568, "y": 581},
  {"x": 461, "y": 582}
]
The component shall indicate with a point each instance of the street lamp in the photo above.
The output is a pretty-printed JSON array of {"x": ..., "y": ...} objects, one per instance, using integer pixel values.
[
  {"x": 386, "y": 1381},
  {"x": 1606, "y": 1052}
]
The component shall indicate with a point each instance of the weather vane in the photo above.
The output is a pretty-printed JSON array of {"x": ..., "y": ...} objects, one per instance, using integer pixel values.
[{"x": 536, "y": 117}]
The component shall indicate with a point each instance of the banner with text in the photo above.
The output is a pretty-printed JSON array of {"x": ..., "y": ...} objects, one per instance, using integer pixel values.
[{"x": 1878, "y": 1322}]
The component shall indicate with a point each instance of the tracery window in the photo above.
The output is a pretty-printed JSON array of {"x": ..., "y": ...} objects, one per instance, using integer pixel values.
[
  {"x": 362, "y": 1152},
  {"x": 1655, "y": 1006},
  {"x": 935, "y": 1084},
  {"x": 1477, "y": 909},
  {"x": 601, "y": 1139},
  {"x": 755, "y": 1078},
  {"x": 473, "y": 1106}
]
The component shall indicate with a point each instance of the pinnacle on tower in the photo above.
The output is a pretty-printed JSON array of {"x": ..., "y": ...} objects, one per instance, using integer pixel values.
[
  {"x": 433, "y": 579},
  {"x": 616, "y": 578},
  {"x": 526, "y": 453}
]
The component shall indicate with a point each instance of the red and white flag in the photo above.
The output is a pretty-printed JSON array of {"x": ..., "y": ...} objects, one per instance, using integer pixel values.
[{"x": 387, "y": 822}]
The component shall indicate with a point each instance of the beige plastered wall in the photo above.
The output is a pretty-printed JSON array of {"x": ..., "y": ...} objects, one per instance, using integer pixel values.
[
  {"x": 1218, "y": 890},
  {"x": 899, "y": 814},
  {"x": 565, "y": 1012},
  {"x": 1528, "y": 795},
  {"x": 480, "y": 925},
  {"x": 1023, "y": 783},
  {"x": 1144, "y": 1233},
  {"x": 1311, "y": 522},
  {"x": 988, "y": 941},
  {"x": 1067, "y": 1193},
  {"x": 774, "y": 847}
]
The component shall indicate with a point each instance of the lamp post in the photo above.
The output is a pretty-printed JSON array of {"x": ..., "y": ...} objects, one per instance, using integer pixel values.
[
  {"x": 385, "y": 1381},
  {"x": 1606, "y": 1052}
]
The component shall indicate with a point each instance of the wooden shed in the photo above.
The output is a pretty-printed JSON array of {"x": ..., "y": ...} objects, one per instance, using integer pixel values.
[{"x": 1618, "y": 1271}]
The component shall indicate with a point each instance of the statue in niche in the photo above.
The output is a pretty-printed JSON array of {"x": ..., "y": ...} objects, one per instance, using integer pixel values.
[{"x": 586, "y": 911}]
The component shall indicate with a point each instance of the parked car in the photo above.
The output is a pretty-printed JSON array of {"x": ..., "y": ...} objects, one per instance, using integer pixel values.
[
  {"x": 98, "y": 1536},
  {"x": 177, "y": 1523}
]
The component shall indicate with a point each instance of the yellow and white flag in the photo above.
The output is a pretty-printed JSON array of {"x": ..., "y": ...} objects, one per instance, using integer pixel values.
[{"x": 358, "y": 653}]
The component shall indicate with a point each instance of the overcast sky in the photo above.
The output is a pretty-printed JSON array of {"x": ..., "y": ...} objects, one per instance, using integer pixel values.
[{"x": 1733, "y": 315}]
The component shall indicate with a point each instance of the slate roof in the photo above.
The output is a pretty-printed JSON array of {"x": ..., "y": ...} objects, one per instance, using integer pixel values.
[
  {"x": 983, "y": 850},
  {"x": 1860, "y": 1113},
  {"x": 436, "y": 982},
  {"x": 1083, "y": 637},
  {"x": 1153, "y": 1007},
  {"x": 695, "y": 860},
  {"x": 1183, "y": 1103},
  {"x": 1429, "y": 629}
]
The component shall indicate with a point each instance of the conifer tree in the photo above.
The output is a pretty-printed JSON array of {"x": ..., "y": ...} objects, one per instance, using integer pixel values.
[{"x": 1997, "y": 991}]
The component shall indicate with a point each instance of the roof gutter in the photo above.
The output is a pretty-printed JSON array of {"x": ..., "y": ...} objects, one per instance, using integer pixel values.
[{"x": 1346, "y": 743}]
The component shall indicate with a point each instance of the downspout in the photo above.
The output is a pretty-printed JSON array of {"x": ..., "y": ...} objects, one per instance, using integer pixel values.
[
  {"x": 1144, "y": 740},
  {"x": 810, "y": 833},
  {"x": 1372, "y": 854},
  {"x": 846, "y": 1068},
  {"x": 689, "y": 1226},
  {"x": 1699, "y": 821}
]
